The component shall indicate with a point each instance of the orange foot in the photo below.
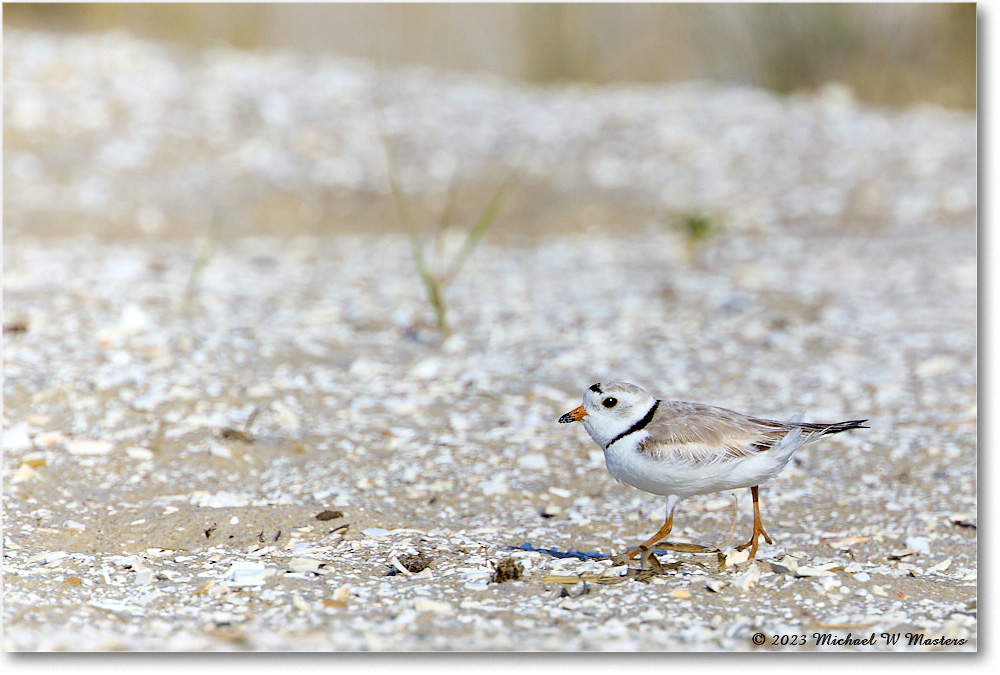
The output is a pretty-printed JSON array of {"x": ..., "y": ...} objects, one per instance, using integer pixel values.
[
  {"x": 758, "y": 527},
  {"x": 668, "y": 525},
  {"x": 758, "y": 531}
]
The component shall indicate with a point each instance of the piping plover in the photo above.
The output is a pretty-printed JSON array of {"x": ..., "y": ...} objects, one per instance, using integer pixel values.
[{"x": 679, "y": 450}]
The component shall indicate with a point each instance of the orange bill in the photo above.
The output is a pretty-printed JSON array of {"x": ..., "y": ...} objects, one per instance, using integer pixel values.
[{"x": 574, "y": 415}]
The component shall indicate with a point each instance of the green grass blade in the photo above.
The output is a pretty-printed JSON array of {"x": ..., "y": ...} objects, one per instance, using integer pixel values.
[
  {"x": 476, "y": 233},
  {"x": 204, "y": 256},
  {"x": 432, "y": 285}
]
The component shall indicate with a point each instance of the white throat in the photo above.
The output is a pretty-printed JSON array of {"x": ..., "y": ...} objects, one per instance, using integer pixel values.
[{"x": 606, "y": 431}]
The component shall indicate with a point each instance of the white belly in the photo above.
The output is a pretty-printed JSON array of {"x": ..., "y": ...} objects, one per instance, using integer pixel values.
[{"x": 685, "y": 479}]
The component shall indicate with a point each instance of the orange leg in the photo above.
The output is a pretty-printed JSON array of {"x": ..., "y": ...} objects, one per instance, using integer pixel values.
[
  {"x": 663, "y": 532},
  {"x": 758, "y": 527}
]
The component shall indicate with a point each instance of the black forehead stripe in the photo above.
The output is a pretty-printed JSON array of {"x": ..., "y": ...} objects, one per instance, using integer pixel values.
[
  {"x": 596, "y": 387},
  {"x": 638, "y": 426}
]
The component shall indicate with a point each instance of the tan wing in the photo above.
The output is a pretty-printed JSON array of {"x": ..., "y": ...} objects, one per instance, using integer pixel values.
[{"x": 697, "y": 433}]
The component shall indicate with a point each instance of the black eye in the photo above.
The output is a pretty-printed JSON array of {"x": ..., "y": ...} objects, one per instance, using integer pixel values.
[{"x": 609, "y": 402}]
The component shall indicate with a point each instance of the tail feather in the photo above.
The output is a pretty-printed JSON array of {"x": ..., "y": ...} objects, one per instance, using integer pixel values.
[{"x": 824, "y": 429}]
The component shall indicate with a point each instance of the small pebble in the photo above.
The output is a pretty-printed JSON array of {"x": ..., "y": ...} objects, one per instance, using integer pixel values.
[{"x": 434, "y": 606}]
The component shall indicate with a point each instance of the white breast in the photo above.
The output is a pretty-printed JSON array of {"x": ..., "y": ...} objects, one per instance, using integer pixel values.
[{"x": 685, "y": 479}]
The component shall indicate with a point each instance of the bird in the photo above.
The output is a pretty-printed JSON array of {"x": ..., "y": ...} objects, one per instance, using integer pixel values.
[{"x": 678, "y": 449}]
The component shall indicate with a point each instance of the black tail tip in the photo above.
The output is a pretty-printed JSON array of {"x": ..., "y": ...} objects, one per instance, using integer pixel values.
[{"x": 840, "y": 427}]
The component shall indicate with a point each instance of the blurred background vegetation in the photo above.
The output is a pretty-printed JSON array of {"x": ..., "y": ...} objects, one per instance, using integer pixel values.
[{"x": 889, "y": 54}]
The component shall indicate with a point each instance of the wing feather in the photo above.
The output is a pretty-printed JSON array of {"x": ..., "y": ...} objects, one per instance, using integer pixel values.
[{"x": 698, "y": 433}]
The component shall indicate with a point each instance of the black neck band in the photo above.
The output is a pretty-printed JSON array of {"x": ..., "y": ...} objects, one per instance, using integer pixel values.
[{"x": 638, "y": 426}]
